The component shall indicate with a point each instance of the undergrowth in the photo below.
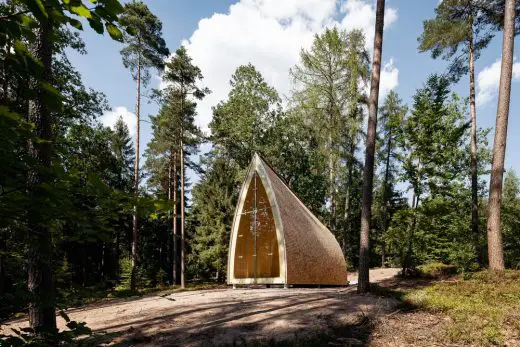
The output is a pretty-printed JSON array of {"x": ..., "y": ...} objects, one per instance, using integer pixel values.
[{"x": 483, "y": 308}]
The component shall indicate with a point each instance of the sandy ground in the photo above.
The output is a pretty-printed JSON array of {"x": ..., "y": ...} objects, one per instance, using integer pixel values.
[{"x": 228, "y": 316}]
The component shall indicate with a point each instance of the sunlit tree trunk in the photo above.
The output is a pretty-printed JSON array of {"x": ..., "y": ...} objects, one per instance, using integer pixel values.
[
  {"x": 42, "y": 314},
  {"x": 473, "y": 145},
  {"x": 368, "y": 172},
  {"x": 495, "y": 246}
]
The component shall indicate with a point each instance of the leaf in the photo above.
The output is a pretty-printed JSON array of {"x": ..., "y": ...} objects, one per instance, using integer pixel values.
[
  {"x": 113, "y": 7},
  {"x": 27, "y": 21},
  {"x": 81, "y": 11},
  {"x": 75, "y": 23},
  {"x": 114, "y": 32},
  {"x": 131, "y": 31},
  {"x": 36, "y": 7},
  {"x": 95, "y": 23}
]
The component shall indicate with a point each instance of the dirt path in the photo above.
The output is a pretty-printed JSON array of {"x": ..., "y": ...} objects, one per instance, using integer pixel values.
[{"x": 227, "y": 316}]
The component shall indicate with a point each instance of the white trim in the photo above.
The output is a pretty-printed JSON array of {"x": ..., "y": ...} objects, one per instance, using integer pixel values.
[{"x": 257, "y": 165}]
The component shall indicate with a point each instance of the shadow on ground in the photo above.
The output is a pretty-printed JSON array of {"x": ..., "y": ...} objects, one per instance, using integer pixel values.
[{"x": 264, "y": 317}]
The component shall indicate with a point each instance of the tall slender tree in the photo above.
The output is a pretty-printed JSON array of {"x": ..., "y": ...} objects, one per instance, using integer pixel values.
[
  {"x": 145, "y": 49},
  {"x": 327, "y": 84},
  {"x": 494, "y": 234},
  {"x": 459, "y": 32},
  {"x": 368, "y": 172},
  {"x": 48, "y": 19},
  {"x": 390, "y": 122},
  {"x": 183, "y": 78}
]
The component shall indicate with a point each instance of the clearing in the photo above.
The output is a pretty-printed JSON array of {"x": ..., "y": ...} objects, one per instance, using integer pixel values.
[
  {"x": 472, "y": 310},
  {"x": 227, "y": 316}
]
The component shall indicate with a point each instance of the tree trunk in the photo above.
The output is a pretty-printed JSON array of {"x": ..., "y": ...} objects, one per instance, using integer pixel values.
[
  {"x": 368, "y": 172},
  {"x": 494, "y": 234},
  {"x": 386, "y": 197},
  {"x": 42, "y": 314},
  {"x": 135, "y": 225},
  {"x": 473, "y": 146},
  {"x": 182, "y": 191},
  {"x": 175, "y": 236},
  {"x": 347, "y": 217}
]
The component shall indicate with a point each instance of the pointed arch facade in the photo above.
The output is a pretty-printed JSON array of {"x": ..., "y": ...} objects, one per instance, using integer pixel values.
[{"x": 275, "y": 238}]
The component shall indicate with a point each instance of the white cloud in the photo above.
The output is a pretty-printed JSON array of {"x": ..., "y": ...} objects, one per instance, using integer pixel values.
[
  {"x": 109, "y": 118},
  {"x": 269, "y": 34},
  {"x": 488, "y": 80},
  {"x": 389, "y": 78}
]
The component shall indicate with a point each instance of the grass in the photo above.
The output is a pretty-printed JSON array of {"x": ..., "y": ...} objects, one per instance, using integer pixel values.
[{"x": 484, "y": 309}]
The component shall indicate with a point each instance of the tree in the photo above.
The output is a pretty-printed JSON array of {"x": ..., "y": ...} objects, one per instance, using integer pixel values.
[
  {"x": 495, "y": 246},
  {"x": 182, "y": 78},
  {"x": 391, "y": 123},
  {"x": 368, "y": 173},
  {"x": 214, "y": 201},
  {"x": 510, "y": 223},
  {"x": 327, "y": 94},
  {"x": 145, "y": 50},
  {"x": 37, "y": 64},
  {"x": 459, "y": 32},
  {"x": 433, "y": 157}
]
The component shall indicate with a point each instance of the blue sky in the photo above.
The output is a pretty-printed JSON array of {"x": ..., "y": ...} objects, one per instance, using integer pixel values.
[{"x": 222, "y": 34}]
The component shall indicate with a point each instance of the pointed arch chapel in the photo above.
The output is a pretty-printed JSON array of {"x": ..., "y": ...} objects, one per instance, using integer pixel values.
[{"x": 275, "y": 238}]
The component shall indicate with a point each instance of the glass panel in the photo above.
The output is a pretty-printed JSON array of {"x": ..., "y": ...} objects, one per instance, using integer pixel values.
[{"x": 256, "y": 252}]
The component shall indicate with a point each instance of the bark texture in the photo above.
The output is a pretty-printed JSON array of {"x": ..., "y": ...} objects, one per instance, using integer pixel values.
[
  {"x": 368, "y": 172},
  {"x": 473, "y": 145},
  {"x": 494, "y": 234}
]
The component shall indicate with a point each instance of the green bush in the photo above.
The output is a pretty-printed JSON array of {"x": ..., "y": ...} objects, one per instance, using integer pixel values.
[{"x": 436, "y": 269}]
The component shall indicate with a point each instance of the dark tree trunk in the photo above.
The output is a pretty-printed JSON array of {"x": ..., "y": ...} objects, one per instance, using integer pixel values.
[
  {"x": 495, "y": 246},
  {"x": 368, "y": 172},
  {"x": 42, "y": 314}
]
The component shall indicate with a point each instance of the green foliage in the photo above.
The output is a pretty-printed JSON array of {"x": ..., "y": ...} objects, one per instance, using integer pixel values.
[
  {"x": 457, "y": 22},
  {"x": 145, "y": 48},
  {"x": 510, "y": 222},
  {"x": 480, "y": 307},
  {"x": 240, "y": 125},
  {"x": 436, "y": 270},
  {"x": 211, "y": 215},
  {"x": 435, "y": 161}
]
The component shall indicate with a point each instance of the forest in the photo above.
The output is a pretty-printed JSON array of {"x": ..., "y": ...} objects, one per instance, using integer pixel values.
[{"x": 85, "y": 213}]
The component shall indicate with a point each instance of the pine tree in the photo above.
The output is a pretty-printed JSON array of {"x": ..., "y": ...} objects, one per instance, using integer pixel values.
[
  {"x": 495, "y": 246},
  {"x": 368, "y": 173},
  {"x": 459, "y": 32},
  {"x": 214, "y": 200},
  {"x": 327, "y": 82},
  {"x": 182, "y": 78},
  {"x": 390, "y": 123},
  {"x": 145, "y": 50}
]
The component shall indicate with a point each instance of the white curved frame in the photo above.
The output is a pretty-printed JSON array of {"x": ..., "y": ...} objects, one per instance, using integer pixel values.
[{"x": 257, "y": 166}]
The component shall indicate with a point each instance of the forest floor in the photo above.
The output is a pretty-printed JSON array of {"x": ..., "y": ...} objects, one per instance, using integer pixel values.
[{"x": 413, "y": 312}]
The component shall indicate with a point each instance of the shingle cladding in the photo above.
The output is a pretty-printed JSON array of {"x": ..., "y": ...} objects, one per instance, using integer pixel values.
[{"x": 313, "y": 254}]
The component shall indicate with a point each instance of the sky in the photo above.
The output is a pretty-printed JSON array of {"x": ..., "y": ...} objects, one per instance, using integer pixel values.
[{"x": 221, "y": 35}]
